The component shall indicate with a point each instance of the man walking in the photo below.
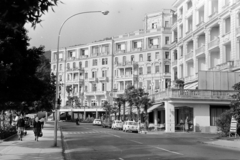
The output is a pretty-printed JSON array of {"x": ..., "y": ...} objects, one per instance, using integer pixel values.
[{"x": 20, "y": 127}]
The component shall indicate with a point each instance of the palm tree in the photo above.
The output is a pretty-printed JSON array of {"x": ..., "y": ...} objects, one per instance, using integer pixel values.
[
  {"x": 120, "y": 100},
  {"x": 129, "y": 94},
  {"x": 108, "y": 108},
  {"x": 146, "y": 103}
]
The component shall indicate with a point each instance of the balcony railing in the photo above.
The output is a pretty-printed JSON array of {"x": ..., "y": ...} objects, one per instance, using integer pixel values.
[
  {"x": 226, "y": 65},
  {"x": 194, "y": 94},
  {"x": 121, "y": 51},
  {"x": 103, "y": 78},
  {"x": 137, "y": 49},
  {"x": 92, "y": 79},
  {"x": 214, "y": 43},
  {"x": 238, "y": 30},
  {"x": 190, "y": 78},
  {"x": 200, "y": 50},
  {"x": 189, "y": 55},
  {"x": 153, "y": 46}
]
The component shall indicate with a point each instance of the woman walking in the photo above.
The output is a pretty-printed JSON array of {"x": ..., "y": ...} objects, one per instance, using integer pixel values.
[
  {"x": 37, "y": 128},
  {"x": 20, "y": 127}
]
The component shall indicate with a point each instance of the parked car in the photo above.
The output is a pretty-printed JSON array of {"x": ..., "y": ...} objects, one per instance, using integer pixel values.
[
  {"x": 107, "y": 123},
  {"x": 130, "y": 126},
  {"x": 97, "y": 122},
  {"x": 117, "y": 124},
  {"x": 65, "y": 116}
]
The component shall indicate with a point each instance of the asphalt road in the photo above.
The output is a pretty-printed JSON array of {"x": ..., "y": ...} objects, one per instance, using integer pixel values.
[{"x": 88, "y": 142}]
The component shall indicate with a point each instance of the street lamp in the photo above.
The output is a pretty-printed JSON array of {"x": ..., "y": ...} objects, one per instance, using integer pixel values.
[{"x": 57, "y": 83}]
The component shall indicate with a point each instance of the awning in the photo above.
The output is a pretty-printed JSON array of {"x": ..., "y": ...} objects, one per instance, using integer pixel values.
[{"x": 152, "y": 108}]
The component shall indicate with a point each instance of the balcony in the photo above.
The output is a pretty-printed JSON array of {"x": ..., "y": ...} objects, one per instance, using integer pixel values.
[
  {"x": 238, "y": 31},
  {"x": 125, "y": 64},
  {"x": 69, "y": 69},
  {"x": 213, "y": 44},
  {"x": 81, "y": 57},
  {"x": 75, "y": 69},
  {"x": 153, "y": 47},
  {"x": 165, "y": 75},
  {"x": 187, "y": 94},
  {"x": 104, "y": 53},
  {"x": 174, "y": 63},
  {"x": 95, "y": 93},
  {"x": 191, "y": 78},
  {"x": 136, "y": 49},
  {"x": 200, "y": 50},
  {"x": 120, "y": 51},
  {"x": 213, "y": 14},
  {"x": 189, "y": 55},
  {"x": 92, "y": 80},
  {"x": 103, "y": 79},
  {"x": 223, "y": 66},
  {"x": 71, "y": 58},
  {"x": 226, "y": 37}
]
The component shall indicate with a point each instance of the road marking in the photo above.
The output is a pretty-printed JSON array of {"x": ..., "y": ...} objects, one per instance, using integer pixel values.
[
  {"x": 136, "y": 142},
  {"x": 121, "y": 159},
  {"x": 168, "y": 150}
]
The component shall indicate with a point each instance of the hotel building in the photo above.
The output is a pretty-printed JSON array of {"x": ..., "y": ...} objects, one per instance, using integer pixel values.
[{"x": 98, "y": 71}]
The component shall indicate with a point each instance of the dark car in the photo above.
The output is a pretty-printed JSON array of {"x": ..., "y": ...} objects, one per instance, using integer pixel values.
[
  {"x": 107, "y": 123},
  {"x": 65, "y": 116}
]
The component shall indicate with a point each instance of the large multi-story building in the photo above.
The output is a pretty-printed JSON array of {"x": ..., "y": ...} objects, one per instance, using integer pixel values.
[
  {"x": 205, "y": 37},
  {"x": 98, "y": 71},
  {"x": 205, "y": 56}
]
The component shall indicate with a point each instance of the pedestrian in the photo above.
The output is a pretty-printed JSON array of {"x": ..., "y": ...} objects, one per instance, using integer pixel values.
[
  {"x": 77, "y": 121},
  {"x": 37, "y": 128},
  {"x": 20, "y": 127},
  {"x": 186, "y": 124}
]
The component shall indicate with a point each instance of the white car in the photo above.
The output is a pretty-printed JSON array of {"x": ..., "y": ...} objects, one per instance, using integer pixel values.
[
  {"x": 117, "y": 124},
  {"x": 97, "y": 122},
  {"x": 130, "y": 126}
]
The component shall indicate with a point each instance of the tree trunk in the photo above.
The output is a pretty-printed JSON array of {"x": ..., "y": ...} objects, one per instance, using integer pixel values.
[
  {"x": 123, "y": 111},
  {"x": 146, "y": 118},
  {"x": 119, "y": 112},
  {"x": 130, "y": 113}
]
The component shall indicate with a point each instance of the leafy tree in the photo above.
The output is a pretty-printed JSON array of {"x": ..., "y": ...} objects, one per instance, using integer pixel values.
[
  {"x": 20, "y": 86},
  {"x": 108, "y": 108},
  {"x": 224, "y": 121},
  {"x": 235, "y": 104}
]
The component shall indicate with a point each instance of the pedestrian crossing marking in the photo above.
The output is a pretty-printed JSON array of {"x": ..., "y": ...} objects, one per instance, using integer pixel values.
[{"x": 93, "y": 132}]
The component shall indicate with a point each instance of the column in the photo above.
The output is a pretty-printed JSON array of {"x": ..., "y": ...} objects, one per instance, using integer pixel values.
[
  {"x": 155, "y": 118},
  {"x": 169, "y": 117},
  {"x": 221, "y": 29},
  {"x": 195, "y": 60},
  {"x": 96, "y": 114},
  {"x": 207, "y": 53}
]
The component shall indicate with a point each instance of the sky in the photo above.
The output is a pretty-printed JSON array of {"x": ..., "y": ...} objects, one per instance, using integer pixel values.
[{"x": 124, "y": 16}]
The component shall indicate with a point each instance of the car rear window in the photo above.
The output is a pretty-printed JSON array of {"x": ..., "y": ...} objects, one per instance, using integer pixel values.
[{"x": 132, "y": 123}]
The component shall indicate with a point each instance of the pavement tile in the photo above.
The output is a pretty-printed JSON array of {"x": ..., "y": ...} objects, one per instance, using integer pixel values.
[{"x": 29, "y": 149}]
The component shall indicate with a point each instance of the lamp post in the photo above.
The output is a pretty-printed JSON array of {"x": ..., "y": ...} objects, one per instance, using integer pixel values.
[{"x": 57, "y": 83}]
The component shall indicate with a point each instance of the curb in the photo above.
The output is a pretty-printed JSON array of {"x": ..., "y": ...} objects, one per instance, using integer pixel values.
[
  {"x": 8, "y": 138},
  {"x": 213, "y": 144},
  {"x": 65, "y": 155}
]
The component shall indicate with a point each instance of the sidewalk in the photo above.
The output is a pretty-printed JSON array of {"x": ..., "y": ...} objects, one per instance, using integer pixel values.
[
  {"x": 29, "y": 149},
  {"x": 234, "y": 144}
]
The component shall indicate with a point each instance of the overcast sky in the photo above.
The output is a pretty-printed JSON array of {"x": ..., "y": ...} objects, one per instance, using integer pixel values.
[{"x": 125, "y": 16}]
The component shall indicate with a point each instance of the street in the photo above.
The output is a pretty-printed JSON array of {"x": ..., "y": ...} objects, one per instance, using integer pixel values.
[{"x": 88, "y": 142}]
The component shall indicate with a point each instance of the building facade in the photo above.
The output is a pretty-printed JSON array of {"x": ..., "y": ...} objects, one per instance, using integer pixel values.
[{"x": 96, "y": 72}]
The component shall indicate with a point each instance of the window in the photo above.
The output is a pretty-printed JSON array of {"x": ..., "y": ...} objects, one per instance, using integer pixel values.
[
  {"x": 166, "y": 68},
  {"x": 148, "y": 84},
  {"x": 140, "y": 84},
  {"x": 94, "y": 75},
  {"x": 167, "y": 24},
  {"x": 124, "y": 59},
  {"x": 167, "y": 55},
  {"x": 103, "y": 87},
  {"x": 132, "y": 58},
  {"x": 54, "y": 67},
  {"x": 215, "y": 112},
  {"x": 154, "y": 25},
  {"x": 60, "y": 56},
  {"x": 189, "y": 4},
  {"x": 149, "y": 70},
  {"x": 86, "y": 90},
  {"x": 93, "y": 103},
  {"x": 157, "y": 84},
  {"x": 104, "y": 61},
  {"x": 149, "y": 56},
  {"x": 68, "y": 65},
  {"x": 86, "y": 76},
  {"x": 167, "y": 40},
  {"x": 55, "y": 56},
  {"x": 94, "y": 62},
  {"x": 104, "y": 73},
  {"x": 86, "y": 64},
  {"x": 86, "y": 102},
  {"x": 140, "y": 71},
  {"x": 140, "y": 57},
  {"x": 74, "y": 65},
  {"x": 116, "y": 60},
  {"x": 60, "y": 77},
  {"x": 157, "y": 69},
  {"x": 80, "y": 64},
  {"x": 227, "y": 25},
  {"x": 94, "y": 87},
  {"x": 157, "y": 55},
  {"x": 167, "y": 83}
]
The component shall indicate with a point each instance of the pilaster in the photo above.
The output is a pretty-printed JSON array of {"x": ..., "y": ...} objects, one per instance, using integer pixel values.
[{"x": 169, "y": 117}]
